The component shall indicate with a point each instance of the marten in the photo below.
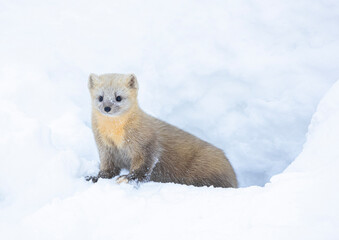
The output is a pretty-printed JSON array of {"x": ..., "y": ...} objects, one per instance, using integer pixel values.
[{"x": 151, "y": 149}]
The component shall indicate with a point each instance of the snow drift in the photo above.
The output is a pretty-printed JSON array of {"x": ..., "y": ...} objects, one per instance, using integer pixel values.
[{"x": 300, "y": 203}]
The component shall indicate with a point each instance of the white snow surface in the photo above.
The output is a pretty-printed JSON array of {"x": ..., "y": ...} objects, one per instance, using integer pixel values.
[{"x": 245, "y": 75}]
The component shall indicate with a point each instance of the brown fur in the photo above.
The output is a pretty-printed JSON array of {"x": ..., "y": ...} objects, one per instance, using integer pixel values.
[{"x": 148, "y": 147}]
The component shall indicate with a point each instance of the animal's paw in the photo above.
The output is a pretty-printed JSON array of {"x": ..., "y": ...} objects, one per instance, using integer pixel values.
[
  {"x": 130, "y": 179},
  {"x": 94, "y": 179},
  {"x": 122, "y": 179}
]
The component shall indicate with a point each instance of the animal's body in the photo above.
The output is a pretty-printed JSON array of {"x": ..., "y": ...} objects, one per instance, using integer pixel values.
[{"x": 151, "y": 149}]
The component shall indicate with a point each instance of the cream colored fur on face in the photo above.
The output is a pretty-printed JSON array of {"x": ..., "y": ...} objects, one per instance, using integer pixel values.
[{"x": 111, "y": 129}]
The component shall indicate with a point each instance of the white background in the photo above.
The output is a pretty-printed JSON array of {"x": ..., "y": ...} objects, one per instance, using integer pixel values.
[{"x": 244, "y": 75}]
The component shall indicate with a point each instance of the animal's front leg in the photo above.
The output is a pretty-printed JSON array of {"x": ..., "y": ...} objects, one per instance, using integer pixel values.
[
  {"x": 140, "y": 171},
  {"x": 107, "y": 167}
]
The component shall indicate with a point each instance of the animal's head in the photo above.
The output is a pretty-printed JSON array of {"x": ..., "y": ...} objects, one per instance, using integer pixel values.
[{"x": 113, "y": 94}]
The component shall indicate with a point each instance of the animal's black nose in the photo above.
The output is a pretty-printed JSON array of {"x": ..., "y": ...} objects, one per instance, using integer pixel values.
[{"x": 107, "y": 109}]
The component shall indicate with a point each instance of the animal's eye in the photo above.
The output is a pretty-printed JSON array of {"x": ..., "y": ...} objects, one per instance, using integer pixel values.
[
  {"x": 118, "y": 98},
  {"x": 101, "y": 98}
]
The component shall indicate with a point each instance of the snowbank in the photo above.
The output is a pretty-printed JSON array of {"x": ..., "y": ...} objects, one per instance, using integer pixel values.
[{"x": 300, "y": 203}]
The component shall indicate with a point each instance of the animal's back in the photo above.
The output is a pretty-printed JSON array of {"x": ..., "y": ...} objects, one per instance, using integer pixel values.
[{"x": 187, "y": 159}]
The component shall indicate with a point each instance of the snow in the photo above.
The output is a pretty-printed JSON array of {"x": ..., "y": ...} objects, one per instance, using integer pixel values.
[{"x": 246, "y": 76}]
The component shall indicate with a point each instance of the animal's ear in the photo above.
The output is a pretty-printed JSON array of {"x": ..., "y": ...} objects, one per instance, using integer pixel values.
[
  {"x": 132, "y": 82},
  {"x": 92, "y": 80}
]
